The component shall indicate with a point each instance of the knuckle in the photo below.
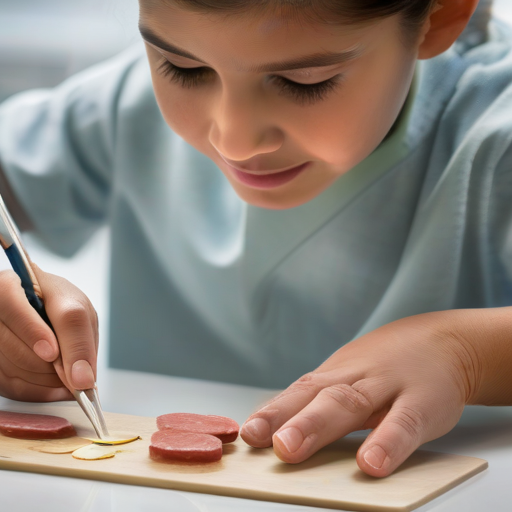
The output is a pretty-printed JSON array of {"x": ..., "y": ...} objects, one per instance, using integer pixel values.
[
  {"x": 347, "y": 397},
  {"x": 411, "y": 420},
  {"x": 307, "y": 382},
  {"x": 306, "y": 378},
  {"x": 78, "y": 351},
  {"x": 313, "y": 421},
  {"x": 74, "y": 313},
  {"x": 79, "y": 345},
  {"x": 267, "y": 413}
]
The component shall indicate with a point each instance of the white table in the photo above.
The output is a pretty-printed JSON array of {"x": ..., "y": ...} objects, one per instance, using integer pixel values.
[{"x": 482, "y": 432}]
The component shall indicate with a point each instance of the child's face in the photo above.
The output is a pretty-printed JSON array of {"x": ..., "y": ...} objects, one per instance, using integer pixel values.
[{"x": 260, "y": 121}]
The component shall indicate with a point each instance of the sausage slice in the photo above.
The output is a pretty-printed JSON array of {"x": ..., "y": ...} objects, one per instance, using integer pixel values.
[
  {"x": 224, "y": 428},
  {"x": 34, "y": 426},
  {"x": 167, "y": 445}
]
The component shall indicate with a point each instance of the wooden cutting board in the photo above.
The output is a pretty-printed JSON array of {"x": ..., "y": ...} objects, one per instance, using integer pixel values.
[{"x": 329, "y": 479}]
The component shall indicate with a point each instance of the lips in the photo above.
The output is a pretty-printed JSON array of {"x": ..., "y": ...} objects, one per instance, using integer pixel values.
[
  {"x": 266, "y": 179},
  {"x": 272, "y": 180}
]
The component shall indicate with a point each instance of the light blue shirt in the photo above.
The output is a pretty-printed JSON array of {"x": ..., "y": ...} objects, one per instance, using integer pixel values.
[{"x": 206, "y": 286}]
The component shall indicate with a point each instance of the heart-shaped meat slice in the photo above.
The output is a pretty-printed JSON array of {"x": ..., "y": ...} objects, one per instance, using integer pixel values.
[{"x": 224, "y": 428}]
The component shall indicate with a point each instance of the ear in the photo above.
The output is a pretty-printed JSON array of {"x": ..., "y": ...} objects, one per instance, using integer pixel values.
[{"x": 447, "y": 21}]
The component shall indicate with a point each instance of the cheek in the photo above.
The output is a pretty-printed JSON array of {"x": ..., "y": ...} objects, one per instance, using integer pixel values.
[
  {"x": 182, "y": 110},
  {"x": 177, "y": 112},
  {"x": 348, "y": 128},
  {"x": 390, "y": 92}
]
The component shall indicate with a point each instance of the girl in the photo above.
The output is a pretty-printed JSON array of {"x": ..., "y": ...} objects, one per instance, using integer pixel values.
[{"x": 287, "y": 178}]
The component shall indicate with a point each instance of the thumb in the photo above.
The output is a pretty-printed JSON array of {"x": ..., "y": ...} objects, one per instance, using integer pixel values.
[{"x": 402, "y": 431}]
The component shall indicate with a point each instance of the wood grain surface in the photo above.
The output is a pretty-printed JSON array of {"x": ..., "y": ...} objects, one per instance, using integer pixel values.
[{"x": 329, "y": 479}]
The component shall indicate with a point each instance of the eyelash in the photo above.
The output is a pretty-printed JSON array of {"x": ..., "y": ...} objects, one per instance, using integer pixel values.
[{"x": 302, "y": 93}]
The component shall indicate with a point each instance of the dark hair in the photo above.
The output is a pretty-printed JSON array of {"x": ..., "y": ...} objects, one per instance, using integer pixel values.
[{"x": 414, "y": 12}]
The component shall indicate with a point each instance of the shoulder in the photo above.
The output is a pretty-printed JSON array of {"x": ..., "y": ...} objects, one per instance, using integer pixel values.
[
  {"x": 463, "y": 121},
  {"x": 462, "y": 110},
  {"x": 458, "y": 88},
  {"x": 487, "y": 75}
]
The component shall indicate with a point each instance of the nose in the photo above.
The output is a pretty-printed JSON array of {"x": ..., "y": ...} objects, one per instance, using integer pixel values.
[{"x": 242, "y": 128}]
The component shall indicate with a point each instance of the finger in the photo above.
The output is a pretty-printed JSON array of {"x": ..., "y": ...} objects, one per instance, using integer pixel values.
[
  {"x": 409, "y": 423},
  {"x": 23, "y": 320},
  {"x": 259, "y": 428},
  {"x": 77, "y": 344},
  {"x": 75, "y": 323},
  {"x": 19, "y": 354},
  {"x": 18, "y": 389},
  {"x": 41, "y": 379},
  {"x": 335, "y": 412}
]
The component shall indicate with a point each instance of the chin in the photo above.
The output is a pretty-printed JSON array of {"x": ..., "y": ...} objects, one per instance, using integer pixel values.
[{"x": 272, "y": 200}]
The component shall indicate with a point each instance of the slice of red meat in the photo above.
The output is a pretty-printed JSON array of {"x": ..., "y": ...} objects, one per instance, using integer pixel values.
[
  {"x": 172, "y": 446},
  {"x": 34, "y": 426},
  {"x": 224, "y": 428}
]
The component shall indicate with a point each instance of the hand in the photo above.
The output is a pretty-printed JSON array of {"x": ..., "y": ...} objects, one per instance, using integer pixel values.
[
  {"x": 34, "y": 366},
  {"x": 408, "y": 380}
]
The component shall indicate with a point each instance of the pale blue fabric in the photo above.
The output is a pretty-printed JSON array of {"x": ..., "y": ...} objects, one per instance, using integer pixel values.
[{"x": 205, "y": 286}]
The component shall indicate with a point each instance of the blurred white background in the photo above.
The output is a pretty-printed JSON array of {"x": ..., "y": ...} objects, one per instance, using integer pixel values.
[
  {"x": 503, "y": 8},
  {"x": 44, "y": 41},
  {"x": 41, "y": 43}
]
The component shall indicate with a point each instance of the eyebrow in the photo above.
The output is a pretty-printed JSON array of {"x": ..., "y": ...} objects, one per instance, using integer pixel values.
[{"x": 315, "y": 60}]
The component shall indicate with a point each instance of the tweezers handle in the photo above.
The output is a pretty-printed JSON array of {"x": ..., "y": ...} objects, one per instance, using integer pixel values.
[{"x": 18, "y": 265}]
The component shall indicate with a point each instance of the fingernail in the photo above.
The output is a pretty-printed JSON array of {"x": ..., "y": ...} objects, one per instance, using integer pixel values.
[
  {"x": 44, "y": 350},
  {"x": 375, "y": 456},
  {"x": 82, "y": 376},
  {"x": 291, "y": 438},
  {"x": 258, "y": 428}
]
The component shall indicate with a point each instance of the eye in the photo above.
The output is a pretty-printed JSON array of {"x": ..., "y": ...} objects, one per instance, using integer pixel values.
[
  {"x": 304, "y": 94},
  {"x": 186, "y": 77}
]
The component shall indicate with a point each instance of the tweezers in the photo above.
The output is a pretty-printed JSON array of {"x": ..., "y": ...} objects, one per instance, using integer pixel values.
[{"x": 10, "y": 242}]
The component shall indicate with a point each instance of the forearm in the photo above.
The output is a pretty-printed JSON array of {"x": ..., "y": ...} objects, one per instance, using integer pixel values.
[{"x": 488, "y": 335}]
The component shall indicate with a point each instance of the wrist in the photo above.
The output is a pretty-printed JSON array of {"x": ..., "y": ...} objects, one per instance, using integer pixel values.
[{"x": 484, "y": 349}]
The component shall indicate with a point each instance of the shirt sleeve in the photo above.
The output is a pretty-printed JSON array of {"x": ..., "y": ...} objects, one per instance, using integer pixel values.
[
  {"x": 500, "y": 218},
  {"x": 57, "y": 150}
]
